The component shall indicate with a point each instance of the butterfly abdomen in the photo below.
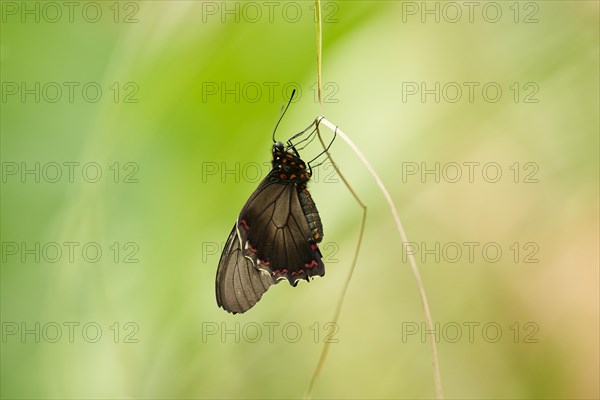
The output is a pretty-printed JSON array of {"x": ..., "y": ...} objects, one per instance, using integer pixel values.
[{"x": 312, "y": 215}]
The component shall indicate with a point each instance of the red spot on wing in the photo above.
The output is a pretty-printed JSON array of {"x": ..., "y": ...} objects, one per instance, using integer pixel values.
[
  {"x": 245, "y": 225},
  {"x": 312, "y": 264}
]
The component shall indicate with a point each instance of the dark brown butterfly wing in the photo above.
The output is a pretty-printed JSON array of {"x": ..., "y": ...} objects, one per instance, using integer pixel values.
[
  {"x": 239, "y": 283},
  {"x": 275, "y": 232},
  {"x": 274, "y": 239}
]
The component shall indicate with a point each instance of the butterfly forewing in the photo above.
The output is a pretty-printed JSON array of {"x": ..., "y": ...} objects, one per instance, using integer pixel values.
[{"x": 239, "y": 284}]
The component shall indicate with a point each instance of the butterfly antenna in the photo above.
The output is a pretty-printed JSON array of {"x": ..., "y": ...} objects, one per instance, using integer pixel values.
[{"x": 283, "y": 113}]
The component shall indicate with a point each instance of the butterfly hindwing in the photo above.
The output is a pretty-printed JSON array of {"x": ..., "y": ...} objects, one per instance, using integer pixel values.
[
  {"x": 275, "y": 233},
  {"x": 239, "y": 284}
]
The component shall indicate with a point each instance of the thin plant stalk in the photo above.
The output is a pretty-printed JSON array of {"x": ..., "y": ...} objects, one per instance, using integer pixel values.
[
  {"x": 338, "y": 308},
  {"x": 413, "y": 263},
  {"x": 319, "y": 25}
]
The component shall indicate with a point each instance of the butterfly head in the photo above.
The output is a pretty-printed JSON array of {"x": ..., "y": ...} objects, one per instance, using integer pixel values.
[
  {"x": 290, "y": 166},
  {"x": 278, "y": 146}
]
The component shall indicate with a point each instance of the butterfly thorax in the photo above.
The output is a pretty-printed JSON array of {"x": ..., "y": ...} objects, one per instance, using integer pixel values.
[{"x": 289, "y": 167}]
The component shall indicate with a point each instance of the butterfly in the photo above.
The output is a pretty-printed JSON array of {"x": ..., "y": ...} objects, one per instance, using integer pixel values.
[{"x": 275, "y": 236}]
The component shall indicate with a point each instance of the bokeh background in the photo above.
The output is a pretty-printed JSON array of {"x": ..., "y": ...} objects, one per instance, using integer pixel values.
[{"x": 181, "y": 133}]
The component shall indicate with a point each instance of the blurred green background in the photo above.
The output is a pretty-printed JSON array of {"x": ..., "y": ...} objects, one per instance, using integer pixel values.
[{"x": 182, "y": 129}]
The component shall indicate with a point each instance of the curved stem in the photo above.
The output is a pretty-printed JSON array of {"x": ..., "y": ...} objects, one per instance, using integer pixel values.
[
  {"x": 413, "y": 264},
  {"x": 411, "y": 258},
  {"x": 338, "y": 308}
]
